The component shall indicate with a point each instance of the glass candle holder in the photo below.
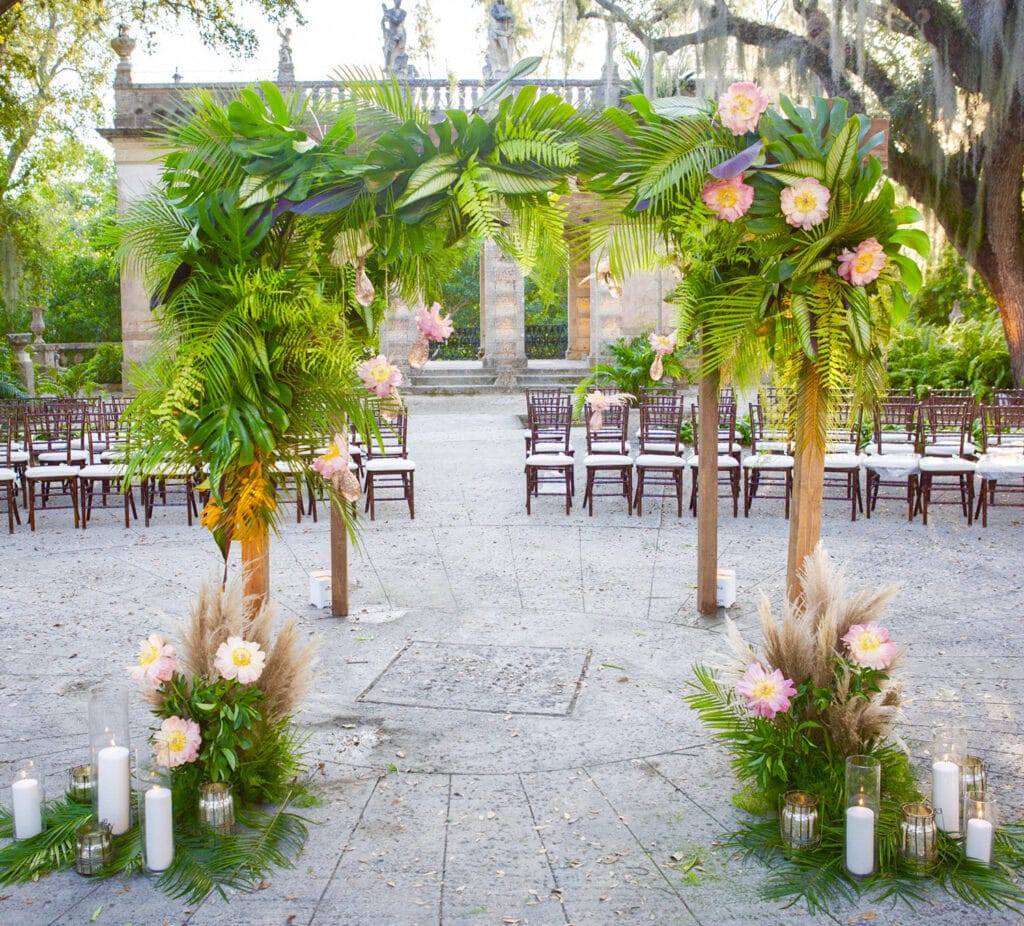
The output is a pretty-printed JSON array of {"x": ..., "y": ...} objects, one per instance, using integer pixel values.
[
  {"x": 217, "y": 806},
  {"x": 798, "y": 820},
  {"x": 918, "y": 835},
  {"x": 972, "y": 774},
  {"x": 109, "y": 747},
  {"x": 863, "y": 799},
  {"x": 93, "y": 849},
  {"x": 156, "y": 812},
  {"x": 27, "y": 799},
  {"x": 980, "y": 821},
  {"x": 82, "y": 784},
  {"x": 949, "y": 747}
]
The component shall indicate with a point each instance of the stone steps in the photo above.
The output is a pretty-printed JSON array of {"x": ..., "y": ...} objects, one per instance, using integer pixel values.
[{"x": 469, "y": 377}]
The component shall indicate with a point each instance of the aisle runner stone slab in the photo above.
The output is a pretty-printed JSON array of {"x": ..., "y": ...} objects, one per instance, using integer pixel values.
[{"x": 482, "y": 677}]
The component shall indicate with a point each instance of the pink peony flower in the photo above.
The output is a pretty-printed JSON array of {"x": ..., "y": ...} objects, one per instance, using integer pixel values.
[
  {"x": 741, "y": 106},
  {"x": 805, "y": 203},
  {"x": 599, "y": 403},
  {"x": 156, "y": 662},
  {"x": 430, "y": 322},
  {"x": 870, "y": 646},
  {"x": 335, "y": 460},
  {"x": 240, "y": 659},
  {"x": 728, "y": 199},
  {"x": 862, "y": 265},
  {"x": 379, "y": 376},
  {"x": 662, "y": 343},
  {"x": 767, "y": 693},
  {"x": 177, "y": 742}
]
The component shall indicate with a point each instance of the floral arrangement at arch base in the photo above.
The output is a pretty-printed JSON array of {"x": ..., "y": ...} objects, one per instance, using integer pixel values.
[
  {"x": 823, "y": 687},
  {"x": 223, "y": 707}
]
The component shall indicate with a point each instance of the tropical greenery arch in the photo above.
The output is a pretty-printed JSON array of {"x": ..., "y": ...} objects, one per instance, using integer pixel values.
[{"x": 283, "y": 225}]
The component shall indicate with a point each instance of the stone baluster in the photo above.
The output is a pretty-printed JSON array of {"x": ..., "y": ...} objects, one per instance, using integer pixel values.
[{"x": 502, "y": 315}]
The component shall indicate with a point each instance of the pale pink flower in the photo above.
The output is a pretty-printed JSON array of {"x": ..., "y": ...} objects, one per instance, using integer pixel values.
[
  {"x": 662, "y": 343},
  {"x": 336, "y": 460},
  {"x": 863, "y": 264},
  {"x": 177, "y": 742},
  {"x": 767, "y": 693},
  {"x": 379, "y": 376},
  {"x": 729, "y": 199},
  {"x": 870, "y": 646},
  {"x": 805, "y": 203},
  {"x": 741, "y": 106},
  {"x": 599, "y": 403},
  {"x": 156, "y": 663},
  {"x": 432, "y": 324},
  {"x": 240, "y": 659}
]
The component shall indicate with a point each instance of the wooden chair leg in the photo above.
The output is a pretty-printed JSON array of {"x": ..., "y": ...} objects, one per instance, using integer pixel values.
[
  {"x": 677, "y": 477},
  {"x": 528, "y": 487},
  {"x": 629, "y": 491},
  {"x": 588, "y": 492},
  {"x": 746, "y": 493},
  {"x": 412, "y": 496},
  {"x": 639, "y": 492}
]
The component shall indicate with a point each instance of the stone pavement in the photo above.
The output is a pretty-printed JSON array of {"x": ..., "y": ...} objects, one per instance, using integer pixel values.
[{"x": 498, "y": 729}]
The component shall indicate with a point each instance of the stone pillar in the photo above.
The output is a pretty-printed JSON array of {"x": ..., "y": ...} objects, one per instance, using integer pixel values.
[
  {"x": 398, "y": 332},
  {"x": 579, "y": 304},
  {"x": 23, "y": 361},
  {"x": 605, "y": 311},
  {"x": 502, "y": 315}
]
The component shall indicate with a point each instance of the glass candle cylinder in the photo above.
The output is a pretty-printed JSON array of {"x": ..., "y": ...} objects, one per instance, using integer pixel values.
[
  {"x": 27, "y": 799},
  {"x": 217, "y": 806},
  {"x": 93, "y": 849},
  {"x": 949, "y": 747},
  {"x": 918, "y": 844},
  {"x": 980, "y": 821},
  {"x": 156, "y": 812},
  {"x": 863, "y": 800},
  {"x": 109, "y": 746},
  {"x": 82, "y": 784},
  {"x": 972, "y": 774},
  {"x": 798, "y": 820}
]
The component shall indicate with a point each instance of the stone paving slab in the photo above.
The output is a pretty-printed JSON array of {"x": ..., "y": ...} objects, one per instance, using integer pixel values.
[{"x": 438, "y": 814}]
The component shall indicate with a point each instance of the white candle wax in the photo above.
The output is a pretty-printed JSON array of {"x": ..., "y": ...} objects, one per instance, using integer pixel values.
[
  {"x": 27, "y": 805},
  {"x": 860, "y": 840},
  {"x": 946, "y": 795},
  {"x": 979, "y": 840},
  {"x": 113, "y": 788},
  {"x": 159, "y": 829}
]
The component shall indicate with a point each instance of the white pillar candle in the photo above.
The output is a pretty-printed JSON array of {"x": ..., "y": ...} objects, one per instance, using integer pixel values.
[
  {"x": 946, "y": 795},
  {"x": 27, "y": 805},
  {"x": 860, "y": 840},
  {"x": 979, "y": 840},
  {"x": 113, "y": 788},
  {"x": 159, "y": 829}
]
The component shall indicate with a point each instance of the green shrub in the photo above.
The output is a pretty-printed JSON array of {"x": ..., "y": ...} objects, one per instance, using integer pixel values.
[
  {"x": 105, "y": 365},
  {"x": 631, "y": 371}
]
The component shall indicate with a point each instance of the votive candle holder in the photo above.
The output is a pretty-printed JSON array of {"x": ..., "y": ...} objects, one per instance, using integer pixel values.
[
  {"x": 863, "y": 800},
  {"x": 918, "y": 835},
  {"x": 799, "y": 823}
]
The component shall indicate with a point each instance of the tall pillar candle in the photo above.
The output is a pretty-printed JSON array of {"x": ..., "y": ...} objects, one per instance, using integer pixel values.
[
  {"x": 980, "y": 818},
  {"x": 113, "y": 788},
  {"x": 159, "y": 827},
  {"x": 979, "y": 841},
  {"x": 946, "y": 794},
  {"x": 26, "y": 806},
  {"x": 860, "y": 841}
]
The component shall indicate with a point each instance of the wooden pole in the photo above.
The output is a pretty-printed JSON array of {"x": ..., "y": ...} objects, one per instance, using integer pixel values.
[
  {"x": 808, "y": 479},
  {"x": 707, "y": 494},
  {"x": 256, "y": 572},
  {"x": 339, "y": 562}
]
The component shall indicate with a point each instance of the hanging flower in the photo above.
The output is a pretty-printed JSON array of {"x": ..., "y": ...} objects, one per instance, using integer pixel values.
[
  {"x": 240, "y": 659},
  {"x": 380, "y": 377},
  {"x": 156, "y": 663},
  {"x": 767, "y": 693},
  {"x": 177, "y": 742},
  {"x": 870, "y": 646},
  {"x": 599, "y": 403},
  {"x": 729, "y": 199},
  {"x": 433, "y": 325},
  {"x": 741, "y": 107},
  {"x": 662, "y": 343},
  {"x": 863, "y": 264},
  {"x": 336, "y": 465},
  {"x": 805, "y": 203}
]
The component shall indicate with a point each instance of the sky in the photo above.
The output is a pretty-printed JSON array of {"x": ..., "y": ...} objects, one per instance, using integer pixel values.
[{"x": 347, "y": 33}]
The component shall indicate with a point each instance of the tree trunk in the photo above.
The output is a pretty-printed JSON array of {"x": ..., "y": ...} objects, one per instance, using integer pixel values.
[
  {"x": 808, "y": 479},
  {"x": 256, "y": 572},
  {"x": 707, "y": 494},
  {"x": 339, "y": 562}
]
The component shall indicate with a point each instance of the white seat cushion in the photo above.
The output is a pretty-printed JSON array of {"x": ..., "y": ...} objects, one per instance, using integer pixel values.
[
  {"x": 893, "y": 465},
  {"x": 768, "y": 461},
  {"x": 167, "y": 471},
  {"x": 539, "y": 459},
  {"x": 843, "y": 461},
  {"x": 549, "y": 447},
  {"x": 724, "y": 462},
  {"x": 1000, "y": 466},
  {"x": 52, "y": 472},
  {"x": 607, "y": 446},
  {"x": 7, "y": 475},
  {"x": 946, "y": 465},
  {"x": 19, "y": 456},
  {"x": 103, "y": 471},
  {"x": 289, "y": 466},
  {"x": 59, "y": 456},
  {"x": 947, "y": 449},
  {"x": 840, "y": 447},
  {"x": 611, "y": 460},
  {"x": 772, "y": 446},
  {"x": 389, "y": 465},
  {"x": 659, "y": 461},
  {"x": 109, "y": 456},
  {"x": 893, "y": 447}
]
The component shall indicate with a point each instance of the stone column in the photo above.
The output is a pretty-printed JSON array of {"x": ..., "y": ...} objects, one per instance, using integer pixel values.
[
  {"x": 502, "y": 315},
  {"x": 23, "y": 361},
  {"x": 398, "y": 332},
  {"x": 605, "y": 312},
  {"x": 579, "y": 305}
]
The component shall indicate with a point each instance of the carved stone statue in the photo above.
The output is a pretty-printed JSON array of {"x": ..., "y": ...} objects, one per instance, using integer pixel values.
[
  {"x": 285, "y": 64},
  {"x": 501, "y": 48},
  {"x": 392, "y": 24}
]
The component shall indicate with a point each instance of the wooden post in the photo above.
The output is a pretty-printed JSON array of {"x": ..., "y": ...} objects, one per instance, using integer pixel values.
[
  {"x": 256, "y": 572},
  {"x": 808, "y": 478},
  {"x": 339, "y": 562},
  {"x": 707, "y": 494}
]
